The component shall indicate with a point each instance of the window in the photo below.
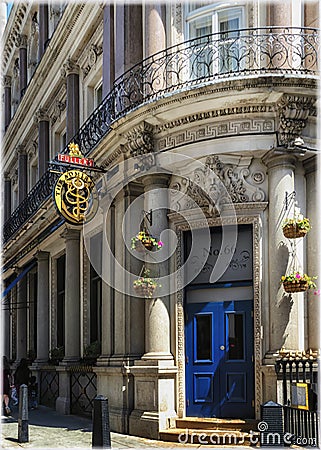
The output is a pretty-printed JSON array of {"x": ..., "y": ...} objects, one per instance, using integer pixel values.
[
  {"x": 98, "y": 95},
  {"x": 216, "y": 30}
]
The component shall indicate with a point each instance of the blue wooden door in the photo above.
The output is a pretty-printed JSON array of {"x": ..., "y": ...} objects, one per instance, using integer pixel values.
[{"x": 219, "y": 359}]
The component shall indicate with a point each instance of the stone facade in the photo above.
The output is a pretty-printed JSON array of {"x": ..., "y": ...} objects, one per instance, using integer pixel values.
[{"x": 197, "y": 154}]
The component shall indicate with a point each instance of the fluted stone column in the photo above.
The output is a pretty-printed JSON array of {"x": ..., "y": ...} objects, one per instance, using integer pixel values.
[
  {"x": 7, "y": 197},
  {"x": 129, "y": 37},
  {"x": 43, "y": 307},
  {"x": 43, "y": 28},
  {"x": 71, "y": 71},
  {"x": 108, "y": 49},
  {"x": 157, "y": 337},
  {"x": 7, "y": 101},
  {"x": 23, "y": 65},
  {"x": 72, "y": 296},
  {"x": 311, "y": 14},
  {"x": 43, "y": 141},
  {"x": 22, "y": 317},
  {"x": 283, "y": 313},
  {"x": 22, "y": 173},
  {"x": 280, "y": 14},
  {"x": 313, "y": 254}
]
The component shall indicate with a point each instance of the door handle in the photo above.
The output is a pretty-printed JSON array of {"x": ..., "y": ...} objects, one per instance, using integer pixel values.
[{"x": 222, "y": 347}]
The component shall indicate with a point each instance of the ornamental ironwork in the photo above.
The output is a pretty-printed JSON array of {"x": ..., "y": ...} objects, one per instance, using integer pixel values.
[{"x": 227, "y": 55}]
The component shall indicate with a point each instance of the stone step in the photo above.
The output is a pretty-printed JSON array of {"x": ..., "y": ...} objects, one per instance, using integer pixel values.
[
  {"x": 209, "y": 436},
  {"x": 217, "y": 424}
]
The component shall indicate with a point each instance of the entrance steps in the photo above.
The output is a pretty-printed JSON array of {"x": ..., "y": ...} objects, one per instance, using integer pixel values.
[{"x": 212, "y": 431}]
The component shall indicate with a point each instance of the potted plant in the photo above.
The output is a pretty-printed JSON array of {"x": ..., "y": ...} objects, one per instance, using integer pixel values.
[
  {"x": 145, "y": 286},
  {"x": 143, "y": 240},
  {"x": 91, "y": 352},
  {"x": 296, "y": 282},
  {"x": 296, "y": 227},
  {"x": 56, "y": 355}
]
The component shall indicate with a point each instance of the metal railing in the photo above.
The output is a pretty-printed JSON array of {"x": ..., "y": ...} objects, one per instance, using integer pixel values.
[
  {"x": 83, "y": 390},
  {"x": 245, "y": 52},
  {"x": 49, "y": 387},
  {"x": 302, "y": 425}
]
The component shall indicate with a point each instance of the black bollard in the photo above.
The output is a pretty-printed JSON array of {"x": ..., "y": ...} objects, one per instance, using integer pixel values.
[
  {"x": 271, "y": 425},
  {"x": 101, "y": 428},
  {"x": 23, "y": 418}
]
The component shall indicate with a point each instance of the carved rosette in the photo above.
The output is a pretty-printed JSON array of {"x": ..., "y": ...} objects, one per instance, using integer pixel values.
[
  {"x": 140, "y": 140},
  {"x": 293, "y": 112}
]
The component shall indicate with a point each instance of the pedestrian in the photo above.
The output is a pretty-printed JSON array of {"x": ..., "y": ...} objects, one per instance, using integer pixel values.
[
  {"x": 6, "y": 383},
  {"x": 21, "y": 375}
]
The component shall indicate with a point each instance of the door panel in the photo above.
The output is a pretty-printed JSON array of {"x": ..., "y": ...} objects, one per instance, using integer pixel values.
[{"x": 219, "y": 366}]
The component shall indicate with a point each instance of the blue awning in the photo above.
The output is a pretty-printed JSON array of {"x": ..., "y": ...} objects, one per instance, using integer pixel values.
[{"x": 18, "y": 278}]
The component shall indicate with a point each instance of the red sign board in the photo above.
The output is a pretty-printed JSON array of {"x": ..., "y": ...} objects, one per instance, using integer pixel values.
[{"x": 76, "y": 160}]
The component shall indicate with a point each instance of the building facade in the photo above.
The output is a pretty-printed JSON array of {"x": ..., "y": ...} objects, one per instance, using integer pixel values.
[{"x": 203, "y": 119}]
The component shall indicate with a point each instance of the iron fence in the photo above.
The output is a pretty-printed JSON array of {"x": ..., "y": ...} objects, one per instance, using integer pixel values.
[
  {"x": 245, "y": 52},
  {"x": 49, "y": 387},
  {"x": 83, "y": 390},
  {"x": 302, "y": 426}
]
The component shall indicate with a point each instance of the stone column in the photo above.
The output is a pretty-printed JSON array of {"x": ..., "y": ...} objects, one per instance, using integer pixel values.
[
  {"x": 311, "y": 14},
  {"x": 279, "y": 14},
  {"x": 6, "y": 326},
  {"x": 108, "y": 49},
  {"x": 157, "y": 338},
  {"x": 7, "y": 101},
  {"x": 313, "y": 253},
  {"x": 129, "y": 37},
  {"x": 283, "y": 313},
  {"x": 22, "y": 174},
  {"x": 43, "y": 28},
  {"x": 72, "y": 296},
  {"x": 43, "y": 141},
  {"x": 43, "y": 307},
  {"x": 22, "y": 43},
  {"x": 7, "y": 197},
  {"x": 155, "y": 30},
  {"x": 22, "y": 319},
  {"x": 71, "y": 71}
]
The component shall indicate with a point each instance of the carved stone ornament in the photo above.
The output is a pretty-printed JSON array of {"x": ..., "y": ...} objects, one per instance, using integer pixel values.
[
  {"x": 22, "y": 41},
  {"x": 70, "y": 67},
  {"x": 140, "y": 139},
  {"x": 219, "y": 183},
  {"x": 6, "y": 81},
  {"x": 41, "y": 115},
  {"x": 293, "y": 112},
  {"x": 58, "y": 107}
]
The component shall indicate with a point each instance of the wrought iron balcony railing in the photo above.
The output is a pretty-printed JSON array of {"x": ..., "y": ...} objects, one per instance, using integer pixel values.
[{"x": 246, "y": 52}]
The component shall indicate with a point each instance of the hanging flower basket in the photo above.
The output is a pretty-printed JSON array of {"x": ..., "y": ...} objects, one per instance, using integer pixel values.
[
  {"x": 143, "y": 241},
  {"x": 296, "y": 282},
  {"x": 145, "y": 286},
  {"x": 296, "y": 228}
]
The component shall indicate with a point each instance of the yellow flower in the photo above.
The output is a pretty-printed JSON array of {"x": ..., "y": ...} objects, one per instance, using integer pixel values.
[{"x": 283, "y": 278}]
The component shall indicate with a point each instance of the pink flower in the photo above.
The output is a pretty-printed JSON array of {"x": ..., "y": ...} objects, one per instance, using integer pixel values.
[
  {"x": 317, "y": 292},
  {"x": 160, "y": 244},
  {"x": 298, "y": 276}
]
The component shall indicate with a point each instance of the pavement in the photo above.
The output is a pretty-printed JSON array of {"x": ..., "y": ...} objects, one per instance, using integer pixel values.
[{"x": 48, "y": 429}]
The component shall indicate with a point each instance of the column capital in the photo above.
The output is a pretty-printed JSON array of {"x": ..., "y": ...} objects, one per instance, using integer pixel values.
[
  {"x": 42, "y": 256},
  {"x": 6, "y": 81},
  {"x": 282, "y": 158},
  {"x": 310, "y": 165},
  {"x": 7, "y": 176},
  {"x": 156, "y": 181},
  {"x": 21, "y": 41},
  {"x": 69, "y": 67},
  {"x": 70, "y": 234},
  {"x": 21, "y": 150},
  {"x": 41, "y": 115}
]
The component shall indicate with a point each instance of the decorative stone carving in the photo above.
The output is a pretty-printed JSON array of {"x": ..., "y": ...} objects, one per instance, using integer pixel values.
[
  {"x": 293, "y": 112},
  {"x": 21, "y": 41},
  {"x": 69, "y": 67},
  {"x": 59, "y": 106},
  {"x": 140, "y": 139},
  {"x": 41, "y": 115},
  {"x": 6, "y": 81},
  {"x": 16, "y": 68},
  {"x": 21, "y": 149},
  {"x": 219, "y": 183},
  {"x": 94, "y": 52}
]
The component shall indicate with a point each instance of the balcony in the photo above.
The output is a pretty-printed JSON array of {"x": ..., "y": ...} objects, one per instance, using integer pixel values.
[{"x": 249, "y": 52}]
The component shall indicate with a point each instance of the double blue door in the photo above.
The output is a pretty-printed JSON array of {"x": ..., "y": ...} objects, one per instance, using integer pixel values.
[{"x": 219, "y": 359}]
